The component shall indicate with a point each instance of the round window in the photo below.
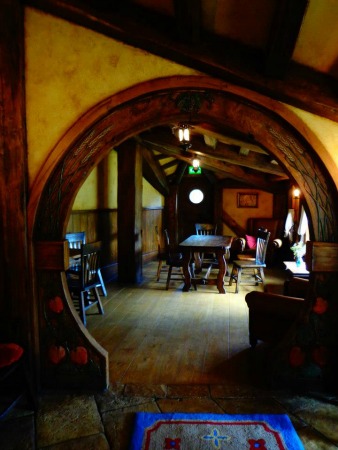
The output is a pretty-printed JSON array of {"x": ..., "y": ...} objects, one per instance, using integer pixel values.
[{"x": 196, "y": 196}]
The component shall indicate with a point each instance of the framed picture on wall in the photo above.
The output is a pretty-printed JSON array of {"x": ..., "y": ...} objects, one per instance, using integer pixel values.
[{"x": 247, "y": 200}]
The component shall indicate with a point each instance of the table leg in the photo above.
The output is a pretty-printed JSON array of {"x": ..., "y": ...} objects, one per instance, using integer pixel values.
[
  {"x": 198, "y": 262},
  {"x": 222, "y": 268},
  {"x": 186, "y": 270}
]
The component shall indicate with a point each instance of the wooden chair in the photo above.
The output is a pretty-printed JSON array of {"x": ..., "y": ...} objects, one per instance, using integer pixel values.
[
  {"x": 254, "y": 265},
  {"x": 174, "y": 260},
  {"x": 207, "y": 261},
  {"x": 75, "y": 240},
  {"x": 161, "y": 255},
  {"x": 205, "y": 228},
  {"x": 83, "y": 284}
]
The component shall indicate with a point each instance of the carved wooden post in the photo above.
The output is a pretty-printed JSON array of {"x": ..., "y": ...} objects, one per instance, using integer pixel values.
[{"x": 15, "y": 298}]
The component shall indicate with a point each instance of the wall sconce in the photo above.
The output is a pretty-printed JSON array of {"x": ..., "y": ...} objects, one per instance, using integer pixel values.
[
  {"x": 296, "y": 193},
  {"x": 196, "y": 164}
]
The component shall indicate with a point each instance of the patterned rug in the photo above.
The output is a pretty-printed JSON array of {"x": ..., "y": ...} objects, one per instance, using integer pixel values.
[{"x": 214, "y": 431}]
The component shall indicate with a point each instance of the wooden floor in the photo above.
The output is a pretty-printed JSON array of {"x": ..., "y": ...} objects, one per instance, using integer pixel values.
[{"x": 155, "y": 336}]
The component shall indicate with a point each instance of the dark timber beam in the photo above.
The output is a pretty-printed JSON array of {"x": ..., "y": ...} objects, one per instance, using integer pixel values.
[
  {"x": 159, "y": 140},
  {"x": 304, "y": 88},
  {"x": 285, "y": 28},
  {"x": 129, "y": 229},
  {"x": 188, "y": 20},
  {"x": 153, "y": 172}
]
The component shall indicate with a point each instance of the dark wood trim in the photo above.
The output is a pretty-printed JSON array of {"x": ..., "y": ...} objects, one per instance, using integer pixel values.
[
  {"x": 288, "y": 18},
  {"x": 129, "y": 229},
  {"x": 98, "y": 210},
  {"x": 14, "y": 282},
  {"x": 16, "y": 285},
  {"x": 52, "y": 255}
]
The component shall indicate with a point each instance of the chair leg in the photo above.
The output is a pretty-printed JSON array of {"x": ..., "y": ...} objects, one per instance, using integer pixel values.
[
  {"x": 261, "y": 271},
  {"x": 232, "y": 275},
  {"x": 103, "y": 287},
  {"x": 98, "y": 301},
  {"x": 168, "y": 277},
  {"x": 159, "y": 267},
  {"x": 239, "y": 274}
]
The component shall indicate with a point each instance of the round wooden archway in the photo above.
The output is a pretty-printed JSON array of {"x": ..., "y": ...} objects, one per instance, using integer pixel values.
[{"x": 63, "y": 339}]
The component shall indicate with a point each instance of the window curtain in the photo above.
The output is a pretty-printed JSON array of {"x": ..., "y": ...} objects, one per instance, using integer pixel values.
[{"x": 289, "y": 224}]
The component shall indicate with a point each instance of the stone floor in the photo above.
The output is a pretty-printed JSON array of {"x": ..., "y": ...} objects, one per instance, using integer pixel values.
[
  {"x": 100, "y": 421},
  {"x": 105, "y": 421}
]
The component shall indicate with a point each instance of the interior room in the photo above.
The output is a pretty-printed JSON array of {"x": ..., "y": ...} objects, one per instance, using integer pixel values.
[{"x": 169, "y": 216}]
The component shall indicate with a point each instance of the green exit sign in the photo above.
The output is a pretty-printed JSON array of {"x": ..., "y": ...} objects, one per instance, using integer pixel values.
[{"x": 194, "y": 172}]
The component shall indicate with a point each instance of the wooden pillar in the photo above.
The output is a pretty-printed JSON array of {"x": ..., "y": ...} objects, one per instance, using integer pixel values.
[
  {"x": 171, "y": 220},
  {"x": 104, "y": 226},
  {"x": 129, "y": 213},
  {"x": 15, "y": 299}
]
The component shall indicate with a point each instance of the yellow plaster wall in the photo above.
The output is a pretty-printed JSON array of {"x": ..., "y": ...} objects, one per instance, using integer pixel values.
[
  {"x": 151, "y": 198},
  {"x": 326, "y": 132},
  {"x": 68, "y": 70},
  {"x": 312, "y": 42},
  {"x": 265, "y": 207},
  {"x": 87, "y": 197}
]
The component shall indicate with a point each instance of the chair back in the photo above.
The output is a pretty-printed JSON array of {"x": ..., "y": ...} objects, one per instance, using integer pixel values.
[
  {"x": 174, "y": 256},
  {"x": 76, "y": 239},
  {"x": 263, "y": 237},
  {"x": 205, "y": 228},
  {"x": 90, "y": 264}
]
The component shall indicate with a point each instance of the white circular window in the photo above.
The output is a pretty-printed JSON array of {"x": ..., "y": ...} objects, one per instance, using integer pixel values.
[{"x": 196, "y": 196}]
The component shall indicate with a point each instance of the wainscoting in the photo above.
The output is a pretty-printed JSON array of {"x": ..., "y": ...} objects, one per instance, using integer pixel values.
[{"x": 101, "y": 225}]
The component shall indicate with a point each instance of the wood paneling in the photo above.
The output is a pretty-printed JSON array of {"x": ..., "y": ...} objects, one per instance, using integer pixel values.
[
  {"x": 101, "y": 225},
  {"x": 151, "y": 217}
]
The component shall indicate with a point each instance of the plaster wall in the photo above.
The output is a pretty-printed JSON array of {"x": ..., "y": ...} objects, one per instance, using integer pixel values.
[
  {"x": 69, "y": 69},
  {"x": 264, "y": 209},
  {"x": 151, "y": 198},
  {"x": 87, "y": 197}
]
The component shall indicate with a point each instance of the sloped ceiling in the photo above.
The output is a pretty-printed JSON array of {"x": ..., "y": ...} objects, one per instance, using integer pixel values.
[{"x": 285, "y": 49}]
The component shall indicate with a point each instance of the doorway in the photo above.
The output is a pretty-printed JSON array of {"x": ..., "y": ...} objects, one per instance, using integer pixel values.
[{"x": 107, "y": 125}]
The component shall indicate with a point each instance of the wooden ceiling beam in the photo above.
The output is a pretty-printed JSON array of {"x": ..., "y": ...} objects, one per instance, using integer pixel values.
[
  {"x": 303, "y": 87},
  {"x": 153, "y": 172},
  {"x": 163, "y": 141},
  {"x": 288, "y": 18},
  {"x": 221, "y": 168},
  {"x": 188, "y": 20}
]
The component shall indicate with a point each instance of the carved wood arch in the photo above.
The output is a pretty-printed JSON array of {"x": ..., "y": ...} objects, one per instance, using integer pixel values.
[{"x": 115, "y": 120}]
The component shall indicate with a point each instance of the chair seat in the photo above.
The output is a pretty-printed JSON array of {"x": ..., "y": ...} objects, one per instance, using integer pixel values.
[
  {"x": 248, "y": 263},
  {"x": 256, "y": 265}
]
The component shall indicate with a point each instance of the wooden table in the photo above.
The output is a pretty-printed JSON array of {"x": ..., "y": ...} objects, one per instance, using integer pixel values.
[
  {"x": 296, "y": 271},
  {"x": 196, "y": 244}
]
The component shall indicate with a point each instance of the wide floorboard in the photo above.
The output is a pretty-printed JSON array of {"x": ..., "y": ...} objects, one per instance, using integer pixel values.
[{"x": 154, "y": 336}]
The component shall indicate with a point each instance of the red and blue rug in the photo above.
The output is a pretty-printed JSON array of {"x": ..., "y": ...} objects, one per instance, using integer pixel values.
[{"x": 180, "y": 431}]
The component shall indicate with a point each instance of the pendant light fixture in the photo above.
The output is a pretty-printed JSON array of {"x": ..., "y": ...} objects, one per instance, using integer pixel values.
[
  {"x": 184, "y": 136},
  {"x": 196, "y": 164}
]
